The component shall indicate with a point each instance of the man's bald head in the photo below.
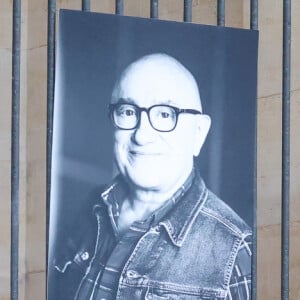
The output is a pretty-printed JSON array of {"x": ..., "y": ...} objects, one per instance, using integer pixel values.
[{"x": 161, "y": 78}]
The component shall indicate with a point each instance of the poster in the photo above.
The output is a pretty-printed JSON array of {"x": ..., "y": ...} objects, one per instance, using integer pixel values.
[{"x": 135, "y": 212}]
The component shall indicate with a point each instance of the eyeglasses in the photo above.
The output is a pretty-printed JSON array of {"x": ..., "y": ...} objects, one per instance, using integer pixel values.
[{"x": 161, "y": 117}]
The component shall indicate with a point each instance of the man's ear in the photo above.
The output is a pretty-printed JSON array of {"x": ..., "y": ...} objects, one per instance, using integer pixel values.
[{"x": 203, "y": 126}]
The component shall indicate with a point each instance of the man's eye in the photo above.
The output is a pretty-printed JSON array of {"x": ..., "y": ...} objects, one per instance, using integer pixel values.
[
  {"x": 129, "y": 112},
  {"x": 165, "y": 115},
  {"x": 125, "y": 112}
]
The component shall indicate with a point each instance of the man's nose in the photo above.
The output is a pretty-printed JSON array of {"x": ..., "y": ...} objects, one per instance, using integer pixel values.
[{"x": 144, "y": 133}]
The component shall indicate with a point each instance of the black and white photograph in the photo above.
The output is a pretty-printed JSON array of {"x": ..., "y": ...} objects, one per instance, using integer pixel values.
[{"x": 153, "y": 177}]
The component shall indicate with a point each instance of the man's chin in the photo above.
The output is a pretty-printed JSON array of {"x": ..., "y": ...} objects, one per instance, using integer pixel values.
[{"x": 147, "y": 183}]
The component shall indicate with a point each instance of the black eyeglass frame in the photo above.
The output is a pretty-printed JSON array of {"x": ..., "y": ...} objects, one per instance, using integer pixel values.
[{"x": 178, "y": 111}]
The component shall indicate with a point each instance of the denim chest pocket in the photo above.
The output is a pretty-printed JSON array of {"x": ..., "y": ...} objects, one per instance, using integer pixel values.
[
  {"x": 158, "y": 290},
  {"x": 155, "y": 294}
]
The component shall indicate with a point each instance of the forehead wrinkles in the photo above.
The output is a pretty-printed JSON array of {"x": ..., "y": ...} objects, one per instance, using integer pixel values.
[{"x": 159, "y": 76}]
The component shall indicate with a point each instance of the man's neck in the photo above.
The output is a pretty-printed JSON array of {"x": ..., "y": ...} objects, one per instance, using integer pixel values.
[
  {"x": 150, "y": 200},
  {"x": 140, "y": 204},
  {"x": 140, "y": 199}
]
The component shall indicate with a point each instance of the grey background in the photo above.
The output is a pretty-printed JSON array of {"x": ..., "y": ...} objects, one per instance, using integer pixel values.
[{"x": 94, "y": 48}]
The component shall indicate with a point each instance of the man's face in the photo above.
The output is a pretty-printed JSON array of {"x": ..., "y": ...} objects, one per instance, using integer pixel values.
[{"x": 147, "y": 158}]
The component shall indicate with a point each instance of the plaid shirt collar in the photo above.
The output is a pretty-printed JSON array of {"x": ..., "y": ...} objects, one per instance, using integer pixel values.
[{"x": 114, "y": 195}]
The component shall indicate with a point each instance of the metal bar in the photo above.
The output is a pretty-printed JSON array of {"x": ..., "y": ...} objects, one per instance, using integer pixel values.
[
  {"x": 254, "y": 241},
  {"x": 15, "y": 147},
  {"x": 85, "y": 5},
  {"x": 254, "y": 14},
  {"x": 120, "y": 7},
  {"x": 286, "y": 83},
  {"x": 254, "y": 26},
  {"x": 221, "y": 12},
  {"x": 187, "y": 11},
  {"x": 154, "y": 9},
  {"x": 50, "y": 101}
]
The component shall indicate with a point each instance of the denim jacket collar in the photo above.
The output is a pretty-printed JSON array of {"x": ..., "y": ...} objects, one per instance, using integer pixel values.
[{"x": 180, "y": 220}]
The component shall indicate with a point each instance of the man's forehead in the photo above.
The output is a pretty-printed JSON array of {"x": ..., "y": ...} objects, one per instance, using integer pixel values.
[
  {"x": 155, "y": 68},
  {"x": 158, "y": 79}
]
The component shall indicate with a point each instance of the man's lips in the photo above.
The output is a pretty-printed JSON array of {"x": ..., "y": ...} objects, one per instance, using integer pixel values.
[{"x": 143, "y": 153}]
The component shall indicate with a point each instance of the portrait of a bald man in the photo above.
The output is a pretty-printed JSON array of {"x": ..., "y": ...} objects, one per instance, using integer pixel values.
[{"x": 156, "y": 231}]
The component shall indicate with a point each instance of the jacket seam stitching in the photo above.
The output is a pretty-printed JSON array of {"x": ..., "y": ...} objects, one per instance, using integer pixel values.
[
  {"x": 228, "y": 224},
  {"x": 231, "y": 260}
]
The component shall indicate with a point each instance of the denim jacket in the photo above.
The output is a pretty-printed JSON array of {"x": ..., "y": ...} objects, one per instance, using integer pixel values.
[{"x": 189, "y": 254}]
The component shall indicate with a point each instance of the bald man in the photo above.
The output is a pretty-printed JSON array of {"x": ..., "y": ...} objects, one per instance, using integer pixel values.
[{"x": 159, "y": 232}]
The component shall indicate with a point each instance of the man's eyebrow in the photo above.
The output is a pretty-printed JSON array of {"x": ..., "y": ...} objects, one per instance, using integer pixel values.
[
  {"x": 124, "y": 101},
  {"x": 168, "y": 102}
]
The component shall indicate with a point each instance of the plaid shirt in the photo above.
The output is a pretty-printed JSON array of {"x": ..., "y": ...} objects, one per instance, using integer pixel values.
[{"x": 240, "y": 281}]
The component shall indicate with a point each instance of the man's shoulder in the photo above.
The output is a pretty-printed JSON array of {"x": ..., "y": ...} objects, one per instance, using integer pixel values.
[{"x": 217, "y": 210}]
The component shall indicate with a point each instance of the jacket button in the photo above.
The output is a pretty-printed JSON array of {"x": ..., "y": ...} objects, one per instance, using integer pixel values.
[
  {"x": 85, "y": 255},
  {"x": 157, "y": 229},
  {"x": 132, "y": 274}
]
